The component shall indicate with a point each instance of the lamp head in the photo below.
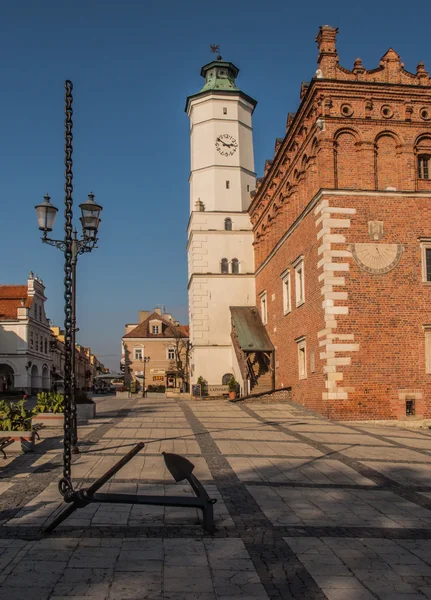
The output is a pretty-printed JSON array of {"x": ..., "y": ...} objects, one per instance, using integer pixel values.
[
  {"x": 46, "y": 213},
  {"x": 90, "y": 216}
]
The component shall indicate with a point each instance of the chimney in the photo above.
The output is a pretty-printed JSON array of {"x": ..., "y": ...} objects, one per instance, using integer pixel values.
[
  {"x": 143, "y": 316},
  {"x": 22, "y": 311},
  {"x": 328, "y": 56}
]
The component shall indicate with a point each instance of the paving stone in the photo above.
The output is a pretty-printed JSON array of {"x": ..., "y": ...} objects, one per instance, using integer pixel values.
[
  {"x": 17, "y": 593},
  {"x": 307, "y": 510},
  {"x": 134, "y": 585},
  {"x": 187, "y": 579}
]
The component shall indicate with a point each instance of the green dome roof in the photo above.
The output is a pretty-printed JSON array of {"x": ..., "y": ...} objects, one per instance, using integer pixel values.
[{"x": 220, "y": 75}]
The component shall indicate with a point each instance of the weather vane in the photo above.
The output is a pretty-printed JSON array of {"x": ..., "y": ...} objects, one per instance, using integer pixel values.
[{"x": 215, "y": 48}]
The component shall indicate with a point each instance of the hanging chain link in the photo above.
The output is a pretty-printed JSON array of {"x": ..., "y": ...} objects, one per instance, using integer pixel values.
[{"x": 65, "y": 485}]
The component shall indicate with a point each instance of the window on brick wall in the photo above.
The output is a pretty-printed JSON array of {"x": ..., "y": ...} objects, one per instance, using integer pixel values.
[
  {"x": 264, "y": 307},
  {"x": 424, "y": 166},
  {"x": 171, "y": 353},
  {"x": 31, "y": 340},
  {"x": 302, "y": 357},
  {"x": 427, "y": 330},
  {"x": 224, "y": 265},
  {"x": 426, "y": 260},
  {"x": 287, "y": 304},
  {"x": 298, "y": 265},
  {"x": 235, "y": 266}
]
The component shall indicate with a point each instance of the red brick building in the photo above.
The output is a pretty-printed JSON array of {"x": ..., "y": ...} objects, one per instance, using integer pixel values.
[{"x": 342, "y": 225}]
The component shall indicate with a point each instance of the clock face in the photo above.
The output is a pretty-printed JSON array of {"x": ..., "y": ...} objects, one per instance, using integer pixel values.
[
  {"x": 226, "y": 144},
  {"x": 377, "y": 258}
]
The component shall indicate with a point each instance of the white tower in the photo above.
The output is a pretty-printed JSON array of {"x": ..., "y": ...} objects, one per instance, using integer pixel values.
[{"x": 220, "y": 237}]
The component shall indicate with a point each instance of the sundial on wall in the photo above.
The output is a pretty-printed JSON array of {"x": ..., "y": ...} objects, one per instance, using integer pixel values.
[{"x": 376, "y": 258}]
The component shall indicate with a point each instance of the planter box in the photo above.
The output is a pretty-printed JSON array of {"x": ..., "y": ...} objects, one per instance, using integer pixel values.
[
  {"x": 49, "y": 419},
  {"x": 23, "y": 440},
  {"x": 86, "y": 411}
]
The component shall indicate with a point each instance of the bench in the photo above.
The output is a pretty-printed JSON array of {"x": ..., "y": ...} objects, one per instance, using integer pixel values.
[
  {"x": 36, "y": 428},
  {"x": 4, "y": 443}
]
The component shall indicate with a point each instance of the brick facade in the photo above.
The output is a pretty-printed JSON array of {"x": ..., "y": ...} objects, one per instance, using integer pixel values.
[{"x": 345, "y": 194}]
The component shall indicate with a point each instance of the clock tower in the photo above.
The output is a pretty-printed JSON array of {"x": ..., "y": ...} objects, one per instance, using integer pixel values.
[{"x": 220, "y": 237}]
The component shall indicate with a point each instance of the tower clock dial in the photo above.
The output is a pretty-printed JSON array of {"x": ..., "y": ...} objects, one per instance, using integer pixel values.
[{"x": 226, "y": 144}]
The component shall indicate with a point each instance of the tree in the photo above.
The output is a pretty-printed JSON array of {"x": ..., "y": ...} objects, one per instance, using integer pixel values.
[{"x": 183, "y": 349}]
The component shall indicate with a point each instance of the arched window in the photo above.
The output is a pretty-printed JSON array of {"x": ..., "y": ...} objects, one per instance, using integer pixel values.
[
  {"x": 235, "y": 265},
  {"x": 424, "y": 166},
  {"x": 228, "y": 224},
  {"x": 224, "y": 265},
  {"x": 226, "y": 378}
]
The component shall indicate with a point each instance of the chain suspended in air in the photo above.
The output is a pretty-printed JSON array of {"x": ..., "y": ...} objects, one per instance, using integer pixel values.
[{"x": 65, "y": 484}]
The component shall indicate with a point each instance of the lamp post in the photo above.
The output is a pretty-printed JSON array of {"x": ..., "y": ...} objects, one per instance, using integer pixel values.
[
  {"x": 144, "y": 360},
  {"x": 72, "y": 247}
]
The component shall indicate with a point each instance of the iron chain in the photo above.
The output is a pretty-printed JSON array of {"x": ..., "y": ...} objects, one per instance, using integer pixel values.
[{"x": 65, "y": 484}]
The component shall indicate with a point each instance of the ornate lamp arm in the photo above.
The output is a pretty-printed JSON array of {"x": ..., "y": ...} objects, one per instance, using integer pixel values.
[{"x": 56, "y": 243}]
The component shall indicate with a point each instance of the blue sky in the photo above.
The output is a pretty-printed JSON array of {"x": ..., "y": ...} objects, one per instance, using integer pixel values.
[{"x": 132, "y": 64}]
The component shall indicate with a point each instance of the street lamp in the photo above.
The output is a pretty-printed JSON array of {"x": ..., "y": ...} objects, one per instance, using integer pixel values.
[
  {"x": 144, "y": 360},
  {"x": 72, "y": 247}
]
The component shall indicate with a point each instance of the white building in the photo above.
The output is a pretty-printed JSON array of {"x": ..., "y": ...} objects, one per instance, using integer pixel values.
[
  {"x": 25, "y": 335},
  {"x": 220, "y": 237}
]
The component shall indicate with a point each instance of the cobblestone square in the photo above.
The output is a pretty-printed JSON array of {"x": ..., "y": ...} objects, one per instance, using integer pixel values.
[{"x": 305, "y": 508}]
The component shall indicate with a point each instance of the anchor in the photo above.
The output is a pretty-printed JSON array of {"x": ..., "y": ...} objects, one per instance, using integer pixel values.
[{"x": 179, "y": 467}]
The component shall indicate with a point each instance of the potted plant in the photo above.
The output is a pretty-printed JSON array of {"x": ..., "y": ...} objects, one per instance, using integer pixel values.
[
  {"x": 15, "y": 422},
  {"x": 233, "y": 387},
  {"x": 49, "y": 409},
  {"x": 85, "y": 406},
  {"x": 201, "y": 382}
]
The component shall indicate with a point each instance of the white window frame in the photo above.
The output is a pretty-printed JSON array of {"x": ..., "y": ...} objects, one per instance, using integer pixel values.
[
  {"x": 287, "y": 292},
  {"x": 425, "y": 245},
  {"x": 168, "y": 350},
  {"x": 427, "y": 331},
  {"x": 302, "y": 357},
  {"x": 137, "y": 349},
  {"x": 155, "y": 329},
  {"x": 298, "y": 265},
  {"x": 264, "y": 307}
]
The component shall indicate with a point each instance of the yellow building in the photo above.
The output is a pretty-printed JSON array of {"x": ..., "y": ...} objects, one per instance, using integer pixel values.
[{"x": 161, "y": 339}]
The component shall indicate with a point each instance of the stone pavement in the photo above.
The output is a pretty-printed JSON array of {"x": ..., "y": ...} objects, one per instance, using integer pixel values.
[{"x": 306, "y": 509}]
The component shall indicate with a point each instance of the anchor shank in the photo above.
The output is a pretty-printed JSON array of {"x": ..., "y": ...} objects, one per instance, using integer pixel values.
[{"x": 111, "y": 472}]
